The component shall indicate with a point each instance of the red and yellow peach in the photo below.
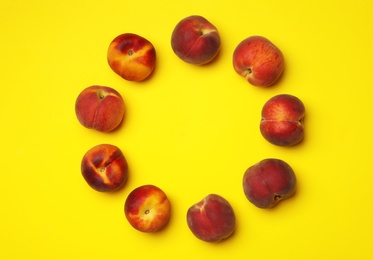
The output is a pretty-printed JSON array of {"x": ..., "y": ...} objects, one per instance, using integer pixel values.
[
  {"x": 259, "y": 61},
  {"x": 147, "y": 208},
  {"x": 131, "y": 56},
  {"x": 104, "y": 168}
]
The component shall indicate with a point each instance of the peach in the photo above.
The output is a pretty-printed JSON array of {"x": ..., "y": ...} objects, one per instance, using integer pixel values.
[
  {"x": 131, "y": 56},
  {"x": 282, "y": 120},
  {"x": 212, "y": 219},
  {"x": 259, "y": 61},
  {"x": 195, "y": 40},
  {"x": 268, "y": 182},
  {"x": 147, "y": 208},
  {"x": 104, "y": 168},
  {"x": 99, "y": 107}
]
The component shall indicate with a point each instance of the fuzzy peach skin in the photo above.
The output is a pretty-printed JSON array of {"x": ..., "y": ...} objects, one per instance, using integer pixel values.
[
  {"x": 195, "y": 40},
  {"x": 268, "y": 182},
  {"x": 282, "y": 120},
  {"x": 104, "y": 168},
  {"x": 259, "y": 61},
  {"x": 99, "y": 107},
  {"x": 147, "y": 208},
  {"x": 131, "y": 56},
  {"x": 212, "y": 219}
]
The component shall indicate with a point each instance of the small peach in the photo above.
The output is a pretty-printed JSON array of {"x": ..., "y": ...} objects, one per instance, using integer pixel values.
[
  {"x": 259, "y": 61},
  {"x": 195, "y": 40},
  {"x": 147, "y": 208},
  {"x": 212, "y": 219},
  {"x": 131, "y": 56},
  {"x": 268, "y": 182},
  {"x": 104, "y": 168},
  {"x": 99, "y": 107},
  {"x": 282, "y": 120}
]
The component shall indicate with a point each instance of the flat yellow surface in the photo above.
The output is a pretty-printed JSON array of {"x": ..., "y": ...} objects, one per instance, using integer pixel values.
[{"x": 190, "y": 130}]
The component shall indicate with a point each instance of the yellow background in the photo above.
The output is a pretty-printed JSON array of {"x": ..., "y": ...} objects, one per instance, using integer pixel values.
[{"x": 190, "y": 130}]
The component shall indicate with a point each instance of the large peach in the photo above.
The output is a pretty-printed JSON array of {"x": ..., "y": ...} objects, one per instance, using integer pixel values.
[
  {"x": 212, "y": 219},
  {"x": 131, "y": 56},
  {"x": 258, "y": 60},
  {"x": 282, "y": 120},
  {"x": 147, "y": 208},
  {"x": 99, "y": 107},
  {"x": 104, "y": 168},
  {"x": 195, "y": 40},
  {"x": 268, "y": 182}
]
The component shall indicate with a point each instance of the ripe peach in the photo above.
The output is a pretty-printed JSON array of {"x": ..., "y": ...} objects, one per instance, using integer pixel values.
[
  {"x": 268, "y": 181},
  {"x": 212, "y": 219},
  {"x": 131, "y": 56},
  {"x": 147, "y": 208},
  {"x": 258, "y": 60},
  {"x": 99, "y": 107},
  {"x": 195, "y": 40},
  {"x": 104, "y": 168},
  {"x": 282, "y": 120}
]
